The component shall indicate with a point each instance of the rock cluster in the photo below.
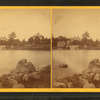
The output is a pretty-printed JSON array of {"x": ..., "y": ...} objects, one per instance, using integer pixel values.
[
  {"x": 63, "y": 66},
  {"x": 25, "y": 75},
  {"x": 89, "y": 78}
]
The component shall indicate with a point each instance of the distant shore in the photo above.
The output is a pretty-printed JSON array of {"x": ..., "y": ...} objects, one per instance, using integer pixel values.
[{"x": 35, "y": 47}]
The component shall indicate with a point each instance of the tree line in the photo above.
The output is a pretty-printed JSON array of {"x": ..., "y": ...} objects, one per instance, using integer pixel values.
[
  {"x": 13, "y": 40},
  {"x": 84, "y": 40}
]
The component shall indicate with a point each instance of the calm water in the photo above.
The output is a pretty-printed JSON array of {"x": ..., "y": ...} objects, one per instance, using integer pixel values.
[
  {"x": 9, "y": 58},
  {"x": 77, "y": 61}
]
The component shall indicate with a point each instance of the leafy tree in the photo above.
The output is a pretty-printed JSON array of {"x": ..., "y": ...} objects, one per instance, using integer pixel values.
[
  {"x": 37, "y": 40},
  {"x": 46, "y": 41},
  {"x": 85, "y": 40},
  {"x": 62, "y": 38},
  {"x": 85, "y": 35},
  {"x": 75, "y": 42},
  {"x": 96, "y": 42},
  {"x": 30, "y": 40},
  {"x": 12, "y": 35},
  {"x": 17, "y": 42}
]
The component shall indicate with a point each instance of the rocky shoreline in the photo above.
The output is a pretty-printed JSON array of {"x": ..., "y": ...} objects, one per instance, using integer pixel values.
[
  {"x": 88, "y": 78},
  {"x": 25, "y": 75}
]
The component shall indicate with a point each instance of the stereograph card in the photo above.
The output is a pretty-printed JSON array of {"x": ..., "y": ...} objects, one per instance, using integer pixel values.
[{"x": 49, "y": 50}]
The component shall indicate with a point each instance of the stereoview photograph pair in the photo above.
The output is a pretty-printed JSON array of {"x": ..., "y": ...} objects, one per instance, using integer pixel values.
[{"x": 44, "y": 48}]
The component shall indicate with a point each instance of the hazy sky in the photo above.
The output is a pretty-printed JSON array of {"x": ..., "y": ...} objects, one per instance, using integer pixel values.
[
  {"x": 75, "y": 22},
  {"x": 25, "y": 22}
]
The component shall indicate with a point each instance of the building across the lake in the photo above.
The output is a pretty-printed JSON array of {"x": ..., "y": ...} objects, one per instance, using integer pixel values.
[{"x": 63, "y": 44}]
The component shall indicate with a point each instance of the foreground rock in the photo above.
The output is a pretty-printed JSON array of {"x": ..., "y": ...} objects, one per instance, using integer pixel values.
[
  {"x": 89, "y": 85},
  {"x": 25, "y": 75},
  {"x": 88, "y": 78},
  {"x": 94, "y": 63},
  {"x": 63, "y": 66},
  {"x": 59, "y": 85},
  {"x": 18, "y": 86}
]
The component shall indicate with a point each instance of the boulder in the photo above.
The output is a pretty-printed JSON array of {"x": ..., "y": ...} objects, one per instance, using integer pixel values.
[
  {"x": 94, "y": 63},
  {"x": 31, "y": 67},
  {"x": 19, "y": 85},
  {"x": 13, "y": 81},
  {"x": 84, "y": 81},
  {"x": 89, "y": 75},
  {"x": 20, "y": 74},
  {"x": 86, "y": 71},
  {"x": 44, "y": 72},
  {"x": 63, "y": 66},
  {"x": 23, "y": 70},
  {"x": 63, "y": 80},
  {"x": 70, "y": 85},
  {"x": 24, "y": 65},
  {"x": 25, "y": 77},
  {"x": 96, "y": 70},
  {"x": 19, "y": 77},
  {"x": 21, "y": 63},
  {"x": 1, "y": 86},
  {"x": 15, "y": 71},
  {"x": 45, "y": 75},
  {"x": 97, "y": 77},
  {"x": 76, "y": 81},
  {"x": 45, "y": 68},
  {"x": 35, "y": 75},
  {"x": 7, "y": 81},
  {"x": 89, "y": 85},
  {"x": 59, "y": 85},
  {"x": 20, "y": 70}
]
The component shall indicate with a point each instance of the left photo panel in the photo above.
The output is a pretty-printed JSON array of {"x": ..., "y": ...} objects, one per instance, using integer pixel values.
[{"x": 25, "y": 38}]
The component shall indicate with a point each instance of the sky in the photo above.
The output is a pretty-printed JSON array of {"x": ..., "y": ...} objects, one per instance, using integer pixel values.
[
  {"x": 75, "y": 22},
  {"x": 25, "y": 22}
]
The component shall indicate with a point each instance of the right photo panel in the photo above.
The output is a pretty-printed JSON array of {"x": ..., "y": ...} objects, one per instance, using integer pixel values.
[{"x": 76, "y": 48}]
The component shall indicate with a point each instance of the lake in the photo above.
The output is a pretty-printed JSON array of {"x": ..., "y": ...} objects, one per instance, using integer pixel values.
[
  {"x": 9, "y": 59},
  {"x": 77, "y": 61}
]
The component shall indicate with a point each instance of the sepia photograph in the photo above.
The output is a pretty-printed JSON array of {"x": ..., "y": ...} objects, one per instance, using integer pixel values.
[
  {"x": 76, "y": 48},
  {"x": 25, "y": 48}
]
